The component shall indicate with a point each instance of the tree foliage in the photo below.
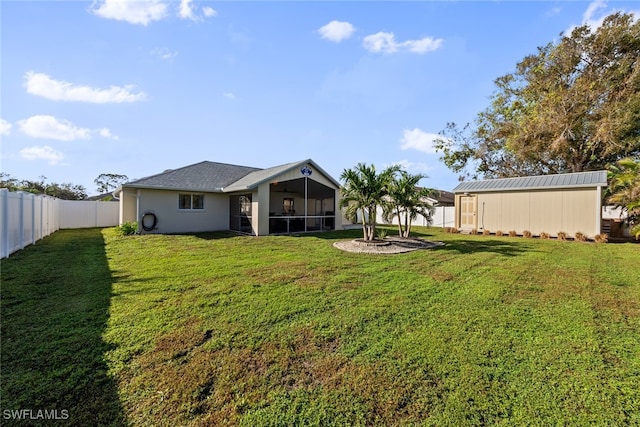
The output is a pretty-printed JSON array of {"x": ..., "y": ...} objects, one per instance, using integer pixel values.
[
  {"x": 65, "y": 191},
  {"x": 363, "y": 191},
  {"x": 573, "y": 106},
  {"x": 107, "y": 182},
  {"x": 407, "y": 201},
  {"x": 624, "y": 190}
]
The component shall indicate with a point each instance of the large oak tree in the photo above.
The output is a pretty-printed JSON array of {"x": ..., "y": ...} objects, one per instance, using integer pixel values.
[{"x": 572, "y": 106}]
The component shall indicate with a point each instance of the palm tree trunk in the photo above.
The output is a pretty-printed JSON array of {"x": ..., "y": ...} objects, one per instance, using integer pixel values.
[{"x": 399, "y": 222}]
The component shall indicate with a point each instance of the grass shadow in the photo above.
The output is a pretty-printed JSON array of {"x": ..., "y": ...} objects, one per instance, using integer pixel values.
[
  {"x": 54, "y": 310},
  {"x": 471, "y": 245}
]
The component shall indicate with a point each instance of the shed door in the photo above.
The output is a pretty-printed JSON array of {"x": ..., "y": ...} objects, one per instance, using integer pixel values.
[{"x": 467, "y": 212}]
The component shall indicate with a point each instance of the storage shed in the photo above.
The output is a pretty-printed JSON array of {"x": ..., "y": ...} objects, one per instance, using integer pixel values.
[{"x": 569, "y": 202}]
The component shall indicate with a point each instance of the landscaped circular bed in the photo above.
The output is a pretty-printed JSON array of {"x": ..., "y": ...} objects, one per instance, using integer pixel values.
[{"x": 390, "y": 245}]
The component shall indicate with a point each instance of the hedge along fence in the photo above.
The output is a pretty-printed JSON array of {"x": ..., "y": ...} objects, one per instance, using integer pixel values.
[{"x": 26, "y": 218}]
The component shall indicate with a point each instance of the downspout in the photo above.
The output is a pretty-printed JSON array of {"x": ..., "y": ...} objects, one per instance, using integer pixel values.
[{"x": 138, "y": 209}]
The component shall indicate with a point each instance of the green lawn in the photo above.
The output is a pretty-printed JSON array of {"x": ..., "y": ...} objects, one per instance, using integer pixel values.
[{"x": 220, "y": 329}]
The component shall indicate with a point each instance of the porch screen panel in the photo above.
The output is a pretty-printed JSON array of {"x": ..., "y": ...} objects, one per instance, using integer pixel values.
[{"x": 240, "y": 218}]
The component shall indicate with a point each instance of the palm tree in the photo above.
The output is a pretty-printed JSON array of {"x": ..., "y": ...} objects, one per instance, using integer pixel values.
[
  {"x": 363, "y": 191},
  {"x": 624, "y": 190},
  {"x": 406, "y": 201}
]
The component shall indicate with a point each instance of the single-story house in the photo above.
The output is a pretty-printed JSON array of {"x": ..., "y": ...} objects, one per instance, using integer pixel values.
[
  {"x": 210, "y": 196},
  {"x": 569, "y": 202}
]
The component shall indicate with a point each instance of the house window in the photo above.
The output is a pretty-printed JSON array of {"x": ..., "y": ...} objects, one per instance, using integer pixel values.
[{"x": 190, "y": 201}]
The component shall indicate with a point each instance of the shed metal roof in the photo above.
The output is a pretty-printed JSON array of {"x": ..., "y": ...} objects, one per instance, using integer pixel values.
[{"x": 542, "y": 182}]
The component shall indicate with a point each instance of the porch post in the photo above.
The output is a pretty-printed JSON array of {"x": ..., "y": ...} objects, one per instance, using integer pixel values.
[{"x": 306, "y": 202}]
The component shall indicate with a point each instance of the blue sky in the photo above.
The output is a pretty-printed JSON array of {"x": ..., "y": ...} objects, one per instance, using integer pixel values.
[{"x": 135, "y": 88}]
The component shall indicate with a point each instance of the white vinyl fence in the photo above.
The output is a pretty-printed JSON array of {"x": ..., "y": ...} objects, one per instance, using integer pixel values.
[
  {"x": 443, "y": 216},
  {"x": 26, "y": 218}
]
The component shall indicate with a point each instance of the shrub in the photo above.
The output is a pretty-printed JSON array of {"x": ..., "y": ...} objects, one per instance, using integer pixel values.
[
  {"x": 486, "y": 232},
  {"x": 544, "y": 235},
  {"x": 451, "y": 230},
  {"x": 499, "y": 233},
  {"x": 527, "y": 234},
  {"x": 382, "y": 233},
  {"x": 474, "y": 231},
  {"x": 601, "y": 238},
  {"x": 580, "y": 237},
  {"x": 512, "y": 233},
  {"x": 562, "y": 235},
  {"x": 127, "y": 228}
]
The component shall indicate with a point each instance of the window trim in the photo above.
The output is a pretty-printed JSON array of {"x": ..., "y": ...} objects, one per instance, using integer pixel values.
[{"x": 191, "y": 206}]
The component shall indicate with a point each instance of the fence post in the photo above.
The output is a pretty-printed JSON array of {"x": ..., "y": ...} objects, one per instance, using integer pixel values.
[
  {"x": 4, "y": 202},
  {"x": 21, "y": 219},
  {"x": 33, "y": 219},
  {"x": 41, "y": 217}
]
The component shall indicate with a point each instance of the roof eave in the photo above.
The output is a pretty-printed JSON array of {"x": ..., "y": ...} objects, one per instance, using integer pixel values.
[
  {"x": 155, "y": 187},
  {"x": 500, "y": 190}
]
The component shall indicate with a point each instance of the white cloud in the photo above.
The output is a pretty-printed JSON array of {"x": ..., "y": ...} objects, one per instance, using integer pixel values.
[
  {"x": 185, "y": 11},
  {"x": 5, "y": 127},
  {"x": 336, "y": 31},
  {"x": 209, "y": 12},
  {"x": 381, "y": 42},
  {"x": 49, "y": 127},
  {"x": 596, "y": 13},
  {"x": 384, "y": 42},
  {"x": 164, "y": 53},
  {"x": 229, "y": 95},
  {"x": 42, "y": 153},
  {"x": 588, "y": 16},
  {"x": 427, "y": 44},
  {"x": 417, "y": 139},
  {"x": 106, "y": 133},
  {"x": 41, "y": 84},
  {"x": 133, "y": 11},
  {"x": 413, "y": 167}
]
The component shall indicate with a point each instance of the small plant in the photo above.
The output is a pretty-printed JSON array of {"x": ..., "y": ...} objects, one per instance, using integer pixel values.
[
  {"x": 527, "y": 234},
  {"x": 486, "y": 232},
  {"x": 580, "y": 237},
  {"x": 512, "y": 233},
  {"x": 562, "y": 235},
  {"x": 499, "y": 233},
  {"x": 474, "y": 231},
  {"x": 382, "y": 233},
  {"x": 544, "y": 235},
  {"x": 601, "y": 238},
  {"x": 451, "y": 230},
  {"x": 127, "y": 228}
]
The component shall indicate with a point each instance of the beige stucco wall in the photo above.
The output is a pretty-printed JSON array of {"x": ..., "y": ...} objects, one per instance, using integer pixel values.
[
  {"x": 127, "y": 205},
  {"x": 164, "y": 204},
  {"x": 569, "y": 210}
]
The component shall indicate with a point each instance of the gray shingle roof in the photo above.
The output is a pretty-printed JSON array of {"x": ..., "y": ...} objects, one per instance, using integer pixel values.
[
  {"x": 217, "y": 177},
  {"x": 567, "y": 180},
  {"x": 203, "y": 176}
]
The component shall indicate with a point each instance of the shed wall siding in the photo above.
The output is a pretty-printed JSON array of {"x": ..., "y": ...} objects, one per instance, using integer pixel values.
[
  {"x": 164, "y": 204},
  {"x": 572, "y": 211}
]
